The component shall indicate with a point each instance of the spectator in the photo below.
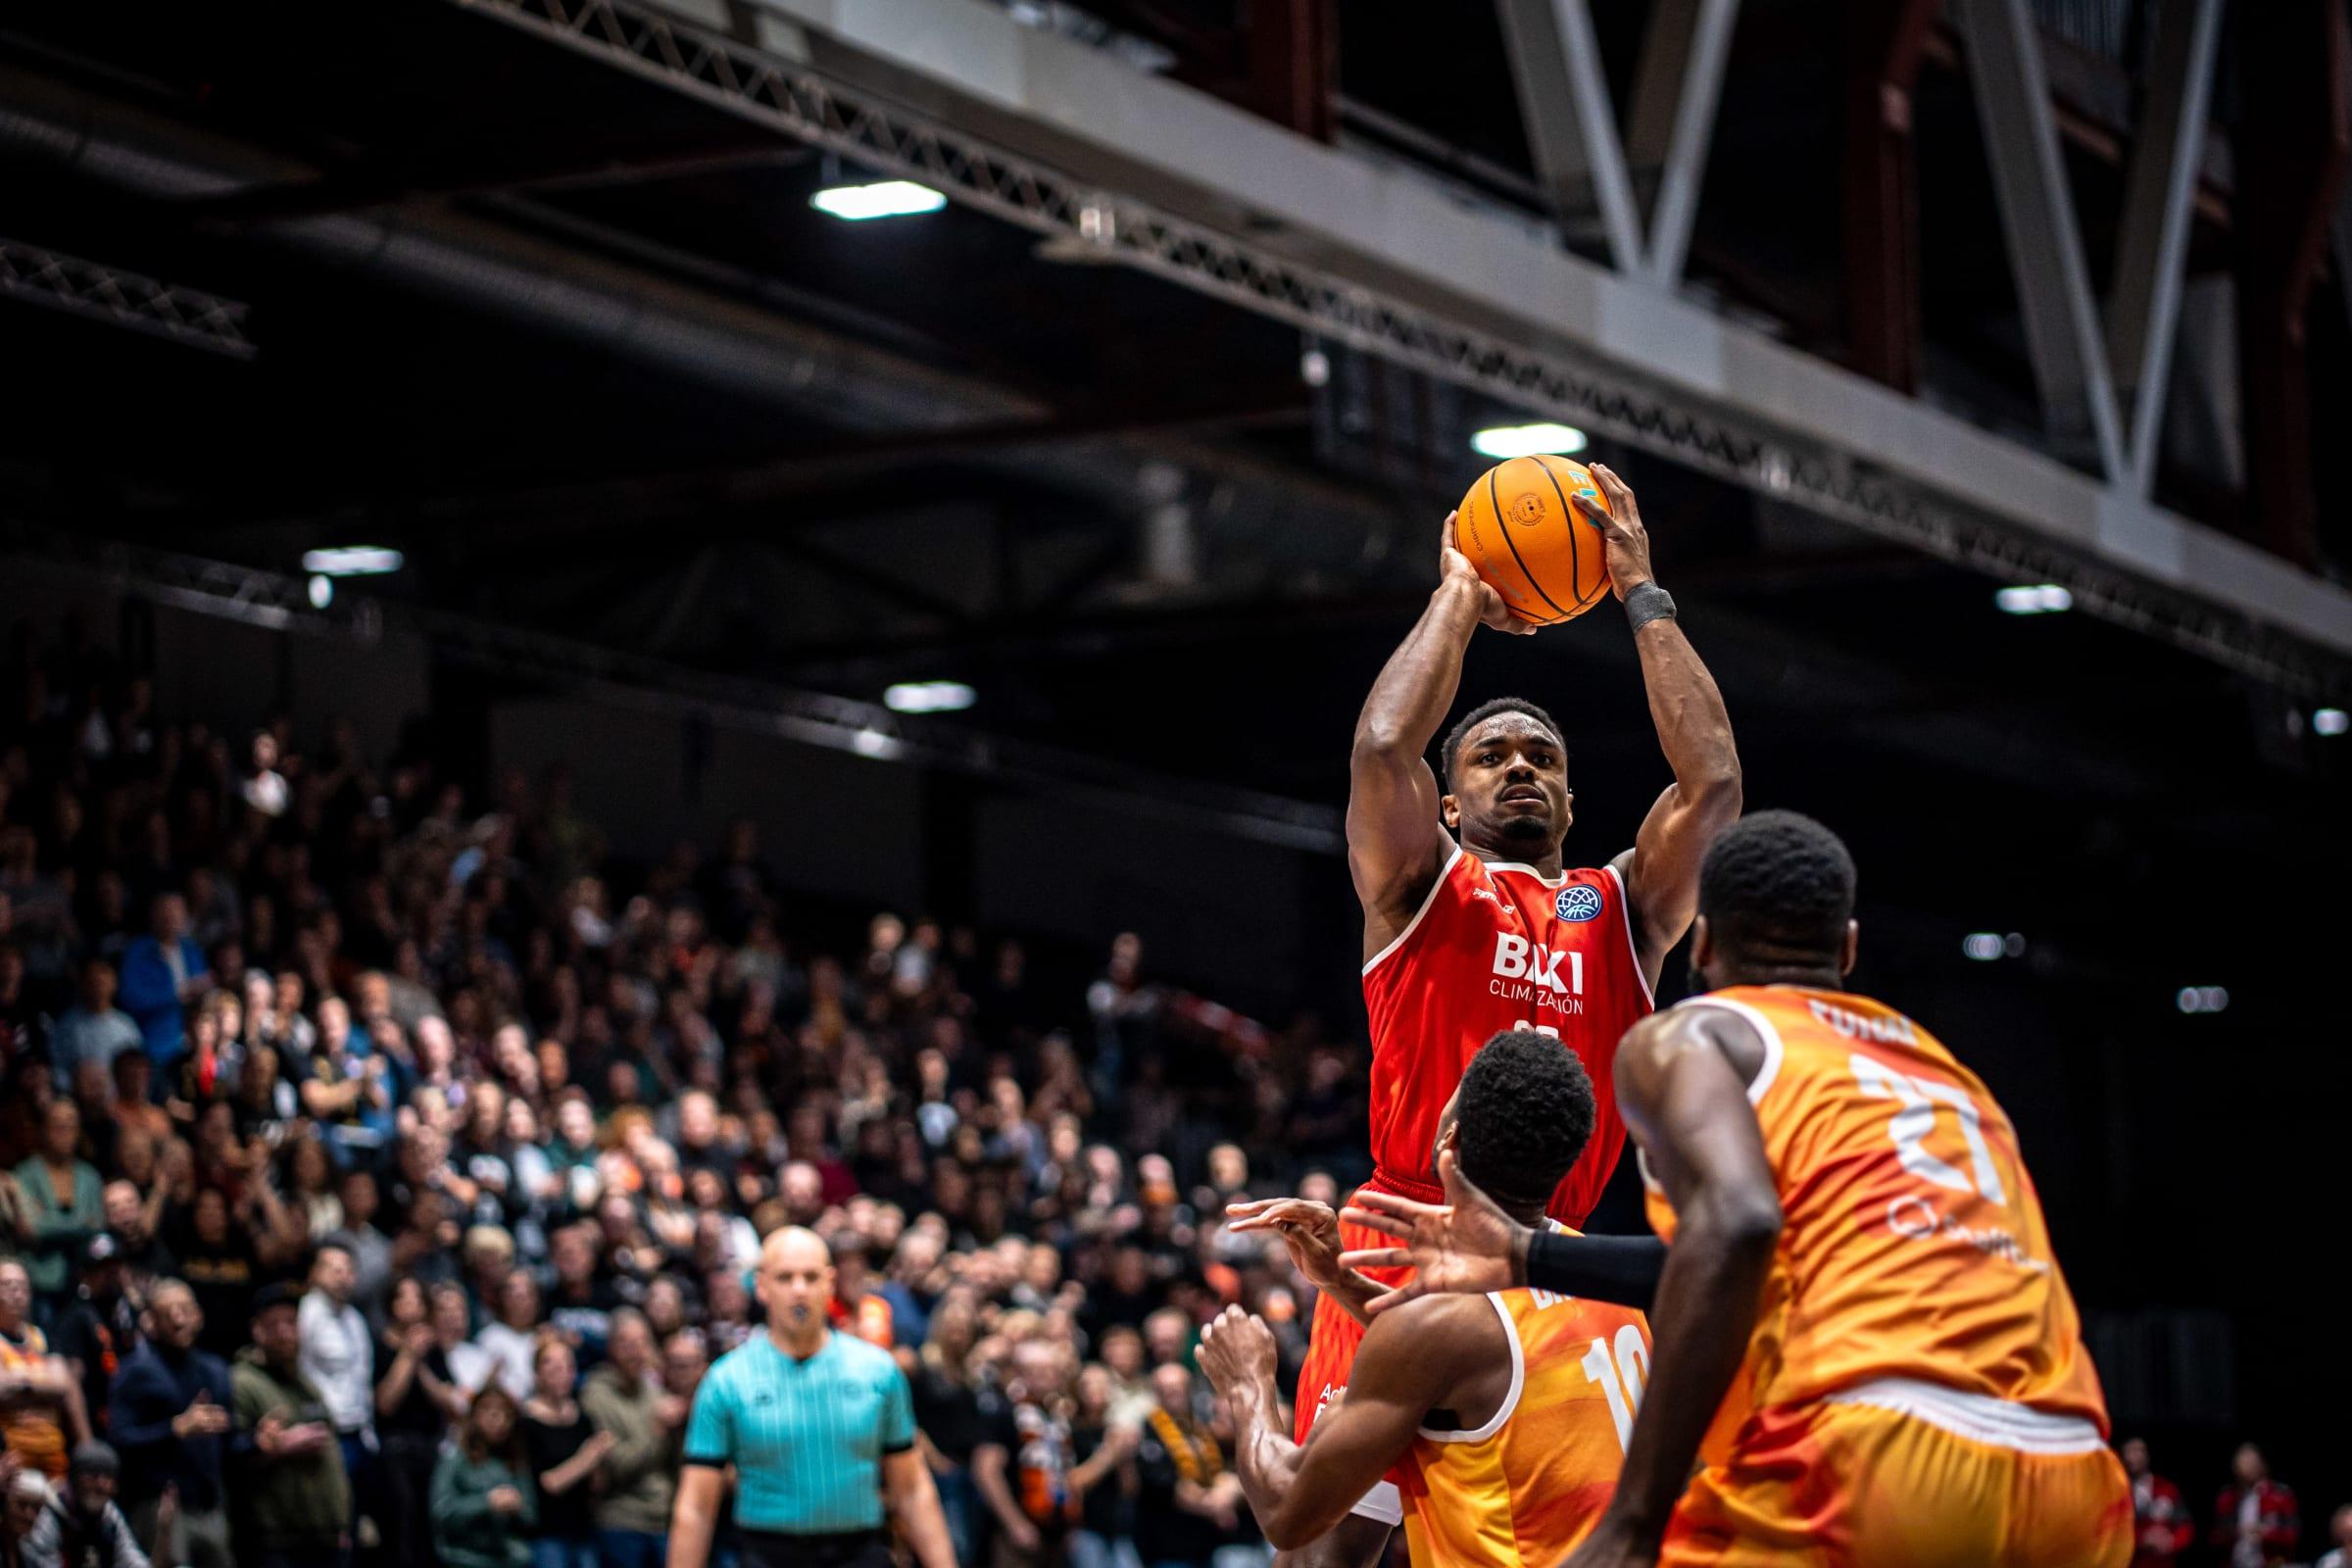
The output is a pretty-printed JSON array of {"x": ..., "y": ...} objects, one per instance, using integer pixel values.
[
  {"x": 163, "y": 972},
  {"x": 565, "y": 1453},
  {"x": 62, "y": 1203},
  {"x": 41, "y": 1400},
  {"x": 263, "y": 788},
  {"x": 1102, "y": 1477},
  {"x": 2161, "y": 1524},
  {"x": 2339, "y": 1531},
  {"x": 858, "y": 1308},
  {"x": 295, "y": 1491},
  {"x": 583, "y": 1299},
  {"x": 2254, "y": 1520},
  {"x": 93, "y": 1029},
  {"x": 83, "y": 1525},
  {"x": 417, "y": 1397},
  {"x": 370, "y": 1249},
  {"x": 26, "y": 1495},
  {"x": 508, "y": 1341},
  {"x": 100, "y": 1328},
  {"x": 1187, "y": 1500},
  {"x": 169, "y": 1419},
  {"x": 311, "y": 1193},
  {"x": 338, "y": 1361},
  {"x": 1022, "y": 1464},
  {"x": 223, "y": 1266},
  {"x": 133, "y": 1220},
  {"x": 625, "y": 1398},
  {"x": 470, "y": 1365},
  {"x": 483, "y": 1503},
  {"x": 947, "y": 1411},
  {"x": 134, "y": 1112}
]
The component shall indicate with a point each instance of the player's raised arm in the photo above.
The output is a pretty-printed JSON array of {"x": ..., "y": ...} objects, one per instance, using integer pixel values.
[
  {"x": 1661, "y": 871},
  {"x": 1682, "y": 1079},
  {"x": 1394, "y": 843},
  {"x": 1468, "y": 1244}
]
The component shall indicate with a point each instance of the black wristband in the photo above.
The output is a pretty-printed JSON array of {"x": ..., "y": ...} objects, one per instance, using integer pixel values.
[
  {"x": 1647, "y": 602},
  {"x": 1620, "y": 1269}
]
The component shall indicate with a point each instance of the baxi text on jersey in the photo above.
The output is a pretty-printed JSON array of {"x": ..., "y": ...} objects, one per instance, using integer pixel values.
[{"x": 1529, "y": 973}]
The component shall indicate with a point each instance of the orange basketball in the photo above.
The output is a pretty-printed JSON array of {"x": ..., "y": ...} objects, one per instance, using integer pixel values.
[{"x": 1531, "y": 547}]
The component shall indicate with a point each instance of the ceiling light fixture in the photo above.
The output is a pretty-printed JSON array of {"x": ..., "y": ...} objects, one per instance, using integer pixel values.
[
  {"x": 1526, "y": 440},
  {"x": 888, "y": 198},
  {"x": 2035, "y": 599},
  {"x": 353, "y": 561},
  {"x": 928, "y": 697}
]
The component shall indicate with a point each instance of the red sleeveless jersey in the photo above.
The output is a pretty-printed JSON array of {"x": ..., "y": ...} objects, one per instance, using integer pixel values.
[{"x": 1495, "y": 947}]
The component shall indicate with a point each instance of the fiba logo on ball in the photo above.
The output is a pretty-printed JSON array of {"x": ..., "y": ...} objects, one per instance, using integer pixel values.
[
  {"x": 1526, "y": 508},
  {"x": 1578, "y": 902}
]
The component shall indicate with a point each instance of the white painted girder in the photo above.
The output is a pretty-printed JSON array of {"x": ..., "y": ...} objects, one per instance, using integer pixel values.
[{"x": 1146, "y": 138}]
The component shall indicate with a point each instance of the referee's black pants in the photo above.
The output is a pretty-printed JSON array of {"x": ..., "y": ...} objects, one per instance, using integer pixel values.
[{"x": 851, "y": 1548}]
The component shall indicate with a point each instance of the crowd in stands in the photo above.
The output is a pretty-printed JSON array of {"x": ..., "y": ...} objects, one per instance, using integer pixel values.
[{"x": 381, "y": 1167}]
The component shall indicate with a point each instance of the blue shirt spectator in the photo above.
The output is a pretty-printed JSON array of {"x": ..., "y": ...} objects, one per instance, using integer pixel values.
[
  {"x": 162, "y": 972},
  {"x": 93, "y": 1029},
  {"x": 169, "y": 1415}
]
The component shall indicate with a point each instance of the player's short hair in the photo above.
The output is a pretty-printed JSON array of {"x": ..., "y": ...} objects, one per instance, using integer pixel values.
[
  {"x": 1451, "y": 745},
  {"x": 1777, "y": 883},
  {"x": 1525, "y": 1114}
]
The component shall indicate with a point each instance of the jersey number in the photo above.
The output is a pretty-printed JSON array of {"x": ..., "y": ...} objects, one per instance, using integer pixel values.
[
  {"x": 1916, "y": 1100},
  {"x": 1621, "y": 1377},
  {"x": 1540, "y": 1028}
]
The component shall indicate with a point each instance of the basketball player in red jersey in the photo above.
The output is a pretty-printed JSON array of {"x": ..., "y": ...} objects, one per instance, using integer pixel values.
[{"x": 1491, "y": 931}]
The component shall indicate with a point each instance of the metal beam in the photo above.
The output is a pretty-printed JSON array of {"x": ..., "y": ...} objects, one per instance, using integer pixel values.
[
  {"x": 1659, "y": 72},
  {"x": 1066, "y": 141},
  {"x": 2143, "y": 310},
  {"x": 1694, "y": 134},
  {"x": 2037, "y": 216},
  {"x": 1880, "y": 208},
  {"x": 120, "y": 297},
  {"x": 2293, "y": 145},
  {"x": 1571, "y": 127}
]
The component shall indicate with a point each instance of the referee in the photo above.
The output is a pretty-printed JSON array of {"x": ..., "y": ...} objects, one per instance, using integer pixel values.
[{"x": 819, "y": 1427}]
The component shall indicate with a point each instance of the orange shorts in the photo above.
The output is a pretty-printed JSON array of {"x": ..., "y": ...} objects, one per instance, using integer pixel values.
[
  {"x": 1331, "y": 1355},
  {"x": 1920, "y": 1476}
]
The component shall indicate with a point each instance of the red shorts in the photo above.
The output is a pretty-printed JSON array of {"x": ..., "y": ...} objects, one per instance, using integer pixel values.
[{"x": 1331, "y": 1355}]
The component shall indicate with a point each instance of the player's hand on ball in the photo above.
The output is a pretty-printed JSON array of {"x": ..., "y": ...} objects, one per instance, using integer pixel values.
[
  {"x": 1236, "y": 1352},
  {"x": 1491, "y": 610},
  {"x": 1310, "y": 1230},
  {"x": 1621, "y": 526},
  {"x": 1466, "y": 1244}
]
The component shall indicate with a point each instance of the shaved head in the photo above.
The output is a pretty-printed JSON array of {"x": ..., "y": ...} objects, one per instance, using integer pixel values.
[
  {"x": 793, "y": 1244},
  {"x": 796, "y": 1287}
]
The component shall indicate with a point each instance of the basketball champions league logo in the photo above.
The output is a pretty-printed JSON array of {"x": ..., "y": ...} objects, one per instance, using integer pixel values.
[{"x": 1579, "y": 902}]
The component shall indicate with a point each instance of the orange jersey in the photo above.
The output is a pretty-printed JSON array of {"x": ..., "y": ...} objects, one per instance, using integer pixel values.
[
  {"x": 1529, "y": 1484},
  {"x": 1912, "y": 1247}
]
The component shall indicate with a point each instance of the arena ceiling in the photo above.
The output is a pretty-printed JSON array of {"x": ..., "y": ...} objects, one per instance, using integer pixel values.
[{"x": 579, "y": 346}]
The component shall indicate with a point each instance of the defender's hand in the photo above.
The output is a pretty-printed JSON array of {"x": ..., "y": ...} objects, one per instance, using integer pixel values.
[
  {"x": 1310, "y": 1230},
  {"x": 1620, "y": 526},
  {"x": 1466, "y": 1244},
  {"x": 1453, "y": 566},
  {"x": 1236, "y": 1352}
]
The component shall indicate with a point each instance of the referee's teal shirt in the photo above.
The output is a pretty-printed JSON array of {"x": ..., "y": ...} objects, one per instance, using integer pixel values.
[{"x": 807, "y": 1437}]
